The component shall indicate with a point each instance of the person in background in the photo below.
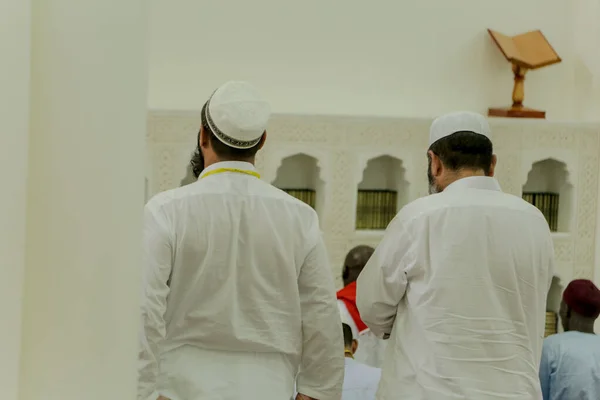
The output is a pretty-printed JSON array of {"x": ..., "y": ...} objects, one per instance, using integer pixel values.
[
  {"x": 360, "y": 380},
  {"x": 372, "y": 349},
  {"x": 570, "y": 366},
  {"x": 460, "y": 279},
  {"x": 238, "y": 295}
]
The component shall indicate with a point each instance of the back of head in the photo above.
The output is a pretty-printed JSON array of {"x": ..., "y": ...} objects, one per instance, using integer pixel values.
[
  {"x": 348, "y": 338},
  {"x": 580, "y": 306},
  {"x": 355, "y": 261},
  {"x": 462, "y": 140},
  {"x": 234, "y": 119}
]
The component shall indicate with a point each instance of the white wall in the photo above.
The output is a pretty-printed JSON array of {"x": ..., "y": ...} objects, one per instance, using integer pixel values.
[
  {"x": 14, "y": 122},
  {"x": 586, "y": 14},
  {"x": 397, "y": 58}
]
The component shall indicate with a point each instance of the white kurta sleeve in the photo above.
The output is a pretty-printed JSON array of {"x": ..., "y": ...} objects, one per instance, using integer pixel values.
[
  {"x": 382, "y": 283},
  {"x": 157, "y": 256},
  {"x": 321, "y": 373}
]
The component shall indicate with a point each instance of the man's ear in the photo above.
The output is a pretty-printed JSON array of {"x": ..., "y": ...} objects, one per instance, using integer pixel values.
[
  {"x": 203, "y": 138},
  {"x": 493, "y": 165},
  {"x": 354, "y": 345},
  {"x": 436, "y": 163},
  {"x": 263, "y": 139}
]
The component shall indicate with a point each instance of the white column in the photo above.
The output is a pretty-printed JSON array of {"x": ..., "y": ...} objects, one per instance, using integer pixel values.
[
  {"x": 85, "y": 198},
  {"x": 15, "y": 27},
  {"x": 597, "y": 252}
]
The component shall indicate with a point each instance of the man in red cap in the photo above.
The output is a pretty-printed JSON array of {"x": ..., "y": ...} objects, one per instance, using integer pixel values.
[{"x": 570, "y": 366}]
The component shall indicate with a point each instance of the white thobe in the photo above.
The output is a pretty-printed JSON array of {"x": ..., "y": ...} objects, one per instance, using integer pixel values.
[
  {"x": 239, "y": 297},
  {"x": 460, "y": 281},
  {"x": 371, "y": 349},
  {"x": 360, "y": 381}
]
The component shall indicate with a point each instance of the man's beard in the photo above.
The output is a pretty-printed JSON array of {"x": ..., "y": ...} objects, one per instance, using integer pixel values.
[
  {"x": 197, "y": 162},
  {"x": 433, "y": 186}
]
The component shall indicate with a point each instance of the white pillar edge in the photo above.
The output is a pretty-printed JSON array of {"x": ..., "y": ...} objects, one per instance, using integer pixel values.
[
  {"x": 85, "y": 199},
  {"x": 15, "y": 40}
]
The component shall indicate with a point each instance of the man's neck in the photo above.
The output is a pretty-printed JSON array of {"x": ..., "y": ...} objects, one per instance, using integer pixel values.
[
  {"x": 209, "y": 162},
  {"x": 582, "y": 326},
  {"x": 348, "y": 353},
  {"x": 466, "y": 173},
  {"x": 460, "y": 174}
]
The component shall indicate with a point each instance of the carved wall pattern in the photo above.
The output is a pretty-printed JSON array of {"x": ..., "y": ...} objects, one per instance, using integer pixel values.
[{"x": 338, "y": 143}]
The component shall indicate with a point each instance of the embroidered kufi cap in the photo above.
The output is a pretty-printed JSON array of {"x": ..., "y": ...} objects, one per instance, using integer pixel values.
[{"x": 237, "y": 114}]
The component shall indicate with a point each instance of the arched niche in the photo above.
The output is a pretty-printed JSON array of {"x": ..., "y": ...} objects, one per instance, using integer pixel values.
[
  {"x": 548, "y": 188},
  {"x": 382, "y": 191},
  {"x": 299, "y": 176}
]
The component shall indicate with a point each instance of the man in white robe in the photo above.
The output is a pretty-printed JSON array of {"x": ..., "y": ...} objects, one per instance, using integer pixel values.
[
  {"x": 239, "y": 301},
  {"x": 460, "y": 279},
  {"x": 372, "y": 348}
]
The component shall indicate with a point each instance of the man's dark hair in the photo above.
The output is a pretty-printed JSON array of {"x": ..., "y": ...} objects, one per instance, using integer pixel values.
[
  {"x": 464, "y": 150},
  {"x": 355, "y": 261},
  {"x": 223, "y": 151},
  {"x": 348, "y": 339}
]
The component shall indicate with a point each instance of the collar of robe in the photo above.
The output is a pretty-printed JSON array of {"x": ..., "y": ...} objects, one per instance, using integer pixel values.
[
  {"x": 235, "y": 170},
  {"x": 475, "y": 182}
]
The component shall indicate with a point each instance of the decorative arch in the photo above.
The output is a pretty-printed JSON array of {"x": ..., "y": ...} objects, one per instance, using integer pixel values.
[
  {"x": 276, "y": 159},
  {"x": 300, "y": 174},
  {"x": 364, "y": 158},
  {"x": 382, "y": 189},
  {"x": 530, "y": 158},
  {"x": 548, "y": 185}
]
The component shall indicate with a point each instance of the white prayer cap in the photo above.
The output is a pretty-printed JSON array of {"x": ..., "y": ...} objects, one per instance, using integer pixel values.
[
  {"x": 451, "y": 123},
  {"x": 237, "y": 114}
]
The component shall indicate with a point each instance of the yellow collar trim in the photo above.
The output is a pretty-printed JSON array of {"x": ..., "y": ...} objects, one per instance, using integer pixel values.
[{"x": 236, "y": 170}]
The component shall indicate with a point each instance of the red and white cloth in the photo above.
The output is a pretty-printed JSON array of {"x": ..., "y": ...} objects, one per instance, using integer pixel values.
[{"x": 371, "y": 349}]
